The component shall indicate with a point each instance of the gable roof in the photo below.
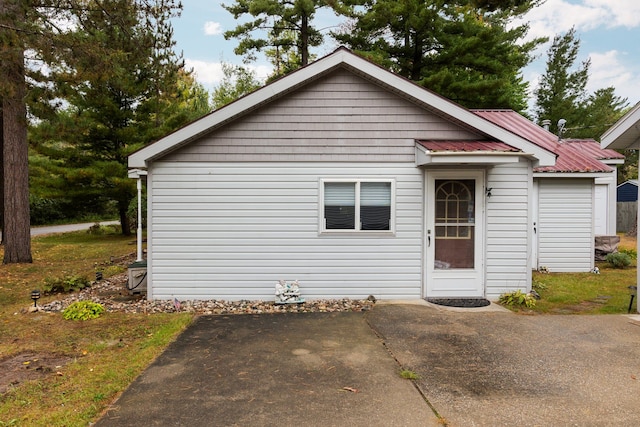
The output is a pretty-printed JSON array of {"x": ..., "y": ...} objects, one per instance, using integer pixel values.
[
  {"x": 625, "y": 133},
  {"x": 633, "y": 182},
  {"x": 341, "y": 58},
  {"x": 574, "y": 155}
]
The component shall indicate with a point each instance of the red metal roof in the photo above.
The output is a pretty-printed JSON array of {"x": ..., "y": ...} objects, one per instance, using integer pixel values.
[
  {"x": 593, "y": 148},
  {"x": 467, "y": 146},
  {"x": 573, "y": 155}
]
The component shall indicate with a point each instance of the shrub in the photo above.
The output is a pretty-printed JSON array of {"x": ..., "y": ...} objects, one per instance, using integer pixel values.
[
  {"x": 46, "y": 211},
  {"x": 517, "y": 298},
  {"x": 538, "y": 286},
  {"x": 83, "y": 310},
  {"x": 619, "y": 259},
  {"x": 633, "y": 254},
  {"x": 65, "y": 284}
]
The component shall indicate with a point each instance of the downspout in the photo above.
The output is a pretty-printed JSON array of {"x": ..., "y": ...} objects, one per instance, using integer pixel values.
[
  {"x": 138, "y": 174},
  {"x": 139, "y": 231}
]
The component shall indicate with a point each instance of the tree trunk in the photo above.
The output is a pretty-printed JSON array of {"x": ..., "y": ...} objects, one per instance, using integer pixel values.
[
  {"x": 124, "y": 219},
  {"x": 16, "y": 231},
  {"x": 1, "y": 174},
  {"x": 304, "y": 40}
]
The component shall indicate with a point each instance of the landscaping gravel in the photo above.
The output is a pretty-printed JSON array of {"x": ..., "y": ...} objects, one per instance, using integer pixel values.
[{"x": 114, "y": 296}]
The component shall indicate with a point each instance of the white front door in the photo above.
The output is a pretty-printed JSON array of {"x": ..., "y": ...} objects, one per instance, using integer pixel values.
[{"x": 455, "y": 234}]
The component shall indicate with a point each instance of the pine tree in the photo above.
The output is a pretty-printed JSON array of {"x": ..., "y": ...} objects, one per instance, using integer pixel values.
[
  {"x": 116, "y": 70},
  {"x": 284, "y": 29},
  {"x": 561, "y": 93},
  {"x": 463, "y": 49}
]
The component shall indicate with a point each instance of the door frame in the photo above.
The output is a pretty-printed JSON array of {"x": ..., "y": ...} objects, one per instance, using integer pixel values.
[{"x": 469, "y": 283}]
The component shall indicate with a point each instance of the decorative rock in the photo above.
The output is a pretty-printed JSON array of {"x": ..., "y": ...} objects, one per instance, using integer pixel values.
[{"x": 112, "y": 294}]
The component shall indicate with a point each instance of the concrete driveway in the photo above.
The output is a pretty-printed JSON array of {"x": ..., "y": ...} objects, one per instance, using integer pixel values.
[
  {"x": 503, "y": 369},
  {"x": 476, "y": 368}
]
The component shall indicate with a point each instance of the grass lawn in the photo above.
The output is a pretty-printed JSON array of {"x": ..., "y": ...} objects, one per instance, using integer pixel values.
[
  {"x": 67, "y": 372},
  {"x": 586, "y": 293}
]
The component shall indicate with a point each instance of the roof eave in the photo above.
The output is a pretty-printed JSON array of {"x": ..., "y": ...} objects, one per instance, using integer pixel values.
[
  {"x": 425, "y": 157},
  {"x": 625, "y": 133},
  {"x": 565, "y": 174}
]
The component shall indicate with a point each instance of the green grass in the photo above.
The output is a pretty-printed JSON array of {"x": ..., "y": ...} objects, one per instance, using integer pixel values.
[
  {"x": 408, "y": 374},
  {"x": 103, "y": 355},
  {"x": 584, "y": 293}
]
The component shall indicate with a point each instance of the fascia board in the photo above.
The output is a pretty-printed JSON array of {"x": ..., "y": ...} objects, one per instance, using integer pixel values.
[
  {"x": 625, "y": 133},
  {"x": 457, "y": 158}
]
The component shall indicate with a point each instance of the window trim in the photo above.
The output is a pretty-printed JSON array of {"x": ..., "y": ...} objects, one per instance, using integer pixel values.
[{"x": 357, "y": 231}]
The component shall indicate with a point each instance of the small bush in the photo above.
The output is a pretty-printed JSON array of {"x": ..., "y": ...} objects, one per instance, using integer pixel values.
[
  {"x": 619, "y": 260},
  {"x": 538, "y": 286},
  {"x": 83, "y": 310},
  {"x": 517, "y": 298},
  {"x": 633, "y": 254},
  {"x": 65, "y": 284}
]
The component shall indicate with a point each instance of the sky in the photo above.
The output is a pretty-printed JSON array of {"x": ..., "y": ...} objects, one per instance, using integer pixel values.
[{"x": 609, "y": 33}]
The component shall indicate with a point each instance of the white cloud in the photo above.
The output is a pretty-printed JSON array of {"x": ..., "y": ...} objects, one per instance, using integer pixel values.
[
  {"x": 212, "y": 28},
  {"x": 210, "y": 73},
  {"x": 619, "y": 13},
  {"x": 207, "y": 73},
  {"x": 610, "y": 69},
  {"x": 262, "y": 71},
  {"x": 558, "y": 16}
]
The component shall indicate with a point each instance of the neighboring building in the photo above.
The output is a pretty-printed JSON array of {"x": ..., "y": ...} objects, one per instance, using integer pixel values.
[
  {"x": 628, "y": 191},
  {"x": 358, "y": 182},
  {"x": 625, "y": 134}
]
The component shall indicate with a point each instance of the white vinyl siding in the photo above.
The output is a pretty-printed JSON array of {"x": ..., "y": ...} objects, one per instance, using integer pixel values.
[
  {"x": 231, "y": 231},
  {"x": 339, "y": 118},
  {"x": 507, "y": 230},
  {"x": 565, "y": 229}
]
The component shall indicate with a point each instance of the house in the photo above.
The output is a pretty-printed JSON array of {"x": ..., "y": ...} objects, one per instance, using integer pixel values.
[
  {"x": 358, "y": 182},
  {"x": 627, "y": 191},
  {"x": 569, "y": 198},
  {"x": 625, "y": 135}
]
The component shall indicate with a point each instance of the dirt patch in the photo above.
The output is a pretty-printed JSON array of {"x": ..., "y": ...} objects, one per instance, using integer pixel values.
[
  {"x": 29, "y": 366},
  {"x": 583, "y": 307}
]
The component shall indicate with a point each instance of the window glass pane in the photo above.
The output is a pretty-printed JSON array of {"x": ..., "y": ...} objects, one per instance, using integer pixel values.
[
  {"x": 339, "y": 194},
  {"x": 375, "y": 205},
  {"x": 375, "y": 217},
  {"x": 375, "y": 194},
  {"x": 455, "y": 218},
  {"x": 339, "y": 205}
]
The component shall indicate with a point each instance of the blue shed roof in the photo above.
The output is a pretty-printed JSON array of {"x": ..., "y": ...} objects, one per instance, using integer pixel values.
[{"x": 627, "y": 191}]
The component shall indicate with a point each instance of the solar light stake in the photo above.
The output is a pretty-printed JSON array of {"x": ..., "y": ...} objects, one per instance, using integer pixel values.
[
  {"x": 35, "y": 296},
  {"x": 633, "y": 292}
]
